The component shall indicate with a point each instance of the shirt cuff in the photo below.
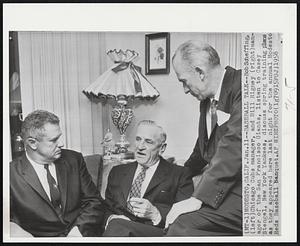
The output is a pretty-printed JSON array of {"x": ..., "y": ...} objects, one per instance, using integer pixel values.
[{"x": 157, "y": 218}]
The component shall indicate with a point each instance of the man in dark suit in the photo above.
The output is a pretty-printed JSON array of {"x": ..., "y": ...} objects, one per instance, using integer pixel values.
[
  {"x": 215, "y": 208},
  {"x": 140, "y": 194},
  {"x": 51, "y": 191}
]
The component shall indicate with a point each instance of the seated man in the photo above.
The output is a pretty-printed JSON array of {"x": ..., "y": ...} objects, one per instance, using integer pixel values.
[
  {"x": 51, "y": 191},
  {"x": 140, "y": 194}
]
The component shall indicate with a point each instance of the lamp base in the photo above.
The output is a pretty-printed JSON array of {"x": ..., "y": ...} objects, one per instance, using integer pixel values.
[{"x": 122, "y": 145}]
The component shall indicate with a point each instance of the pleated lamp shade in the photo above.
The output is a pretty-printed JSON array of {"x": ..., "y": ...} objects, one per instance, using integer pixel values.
[{"x": 123, "y": 79}]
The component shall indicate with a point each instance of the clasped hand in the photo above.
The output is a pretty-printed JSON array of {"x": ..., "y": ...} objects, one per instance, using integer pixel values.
[
  {"x": 189, "y": 205},
  {"x": 143, "y": 208}
]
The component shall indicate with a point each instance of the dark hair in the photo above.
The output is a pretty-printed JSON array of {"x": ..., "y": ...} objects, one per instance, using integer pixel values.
[
  {"x": 191, "y": 50},
  {"x": 34, "y": 123}
]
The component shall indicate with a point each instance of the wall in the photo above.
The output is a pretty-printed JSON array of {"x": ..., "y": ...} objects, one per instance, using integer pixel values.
[{"x": 177, "y": 112}]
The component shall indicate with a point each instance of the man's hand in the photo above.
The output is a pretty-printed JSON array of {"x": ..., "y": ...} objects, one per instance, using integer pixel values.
[
  {"x": 189, "y": 205},
  {"x": 144, "y": 209}
]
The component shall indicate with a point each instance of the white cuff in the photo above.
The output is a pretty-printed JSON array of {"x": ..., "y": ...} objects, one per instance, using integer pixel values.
[{"x": 157, "y": 217}]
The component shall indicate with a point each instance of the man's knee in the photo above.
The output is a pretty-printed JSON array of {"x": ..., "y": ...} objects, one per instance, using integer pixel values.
[
  {"x": 174, "y": 230},
  {"x": 178, "y": 228},
  {"x": 116, "y": 228}
]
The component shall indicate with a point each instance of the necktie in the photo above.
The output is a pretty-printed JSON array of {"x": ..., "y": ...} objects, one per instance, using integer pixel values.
[
  {"x": 135, "y": 190},
  {"x": 203, "y": 138},
  {"x": 213, "y": 111},
  {"x": 54, "y": 191}
]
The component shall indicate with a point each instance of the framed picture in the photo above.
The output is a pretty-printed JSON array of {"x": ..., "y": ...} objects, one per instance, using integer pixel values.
[{"x": 157, "y": 53}]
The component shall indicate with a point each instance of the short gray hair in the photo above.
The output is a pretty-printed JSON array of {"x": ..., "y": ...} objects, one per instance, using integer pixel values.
[
  {"x": 192, "y": 50},
  {"x": 162, "y": 133},
  {"x": 34, "y": 123}
]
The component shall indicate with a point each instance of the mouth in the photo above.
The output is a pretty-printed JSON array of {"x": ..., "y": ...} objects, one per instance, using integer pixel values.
[{"x": 140, "y": 153}]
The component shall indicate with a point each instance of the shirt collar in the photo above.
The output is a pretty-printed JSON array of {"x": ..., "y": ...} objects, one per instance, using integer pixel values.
[
  {"x": 217, "y": 95},
  {"x": 35, "y": 163},
  {"x": 151, "y": 167}
]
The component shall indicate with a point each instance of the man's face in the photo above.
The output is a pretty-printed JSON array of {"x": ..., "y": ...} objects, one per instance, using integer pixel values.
[
  {"x": 193, "y": 82},
  {"x": 49, "y": 144},
  {"x": 147, "y": 145}
]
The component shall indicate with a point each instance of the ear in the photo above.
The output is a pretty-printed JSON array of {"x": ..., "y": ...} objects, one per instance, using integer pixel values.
[
  {"x": 200, "y": 72},
  {"x": 32, "y": 143},
  {"x": 162, "y": 148}
]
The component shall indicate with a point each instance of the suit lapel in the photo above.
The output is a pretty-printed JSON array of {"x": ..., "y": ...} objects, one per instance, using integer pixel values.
[
  {"x": 61, "y": 173},
  {"x": 160, "y": 175},
  {"x": 224, "y": 96},
  {"x": 225, "y": 90},
  {"x": 127, "y": 179},
  {"x": 32, "y": 179}
]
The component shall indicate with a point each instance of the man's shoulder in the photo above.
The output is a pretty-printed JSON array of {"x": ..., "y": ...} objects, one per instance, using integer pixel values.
[
  {"x": 172, "y": 166},
  {"x": 65, "y": 153},
  {"x": 14, "y": 164},
  {"x": 123, "y": 167}
]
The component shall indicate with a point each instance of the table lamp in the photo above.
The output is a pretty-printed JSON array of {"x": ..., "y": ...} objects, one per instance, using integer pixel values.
[{"x": 122, "y": 82}]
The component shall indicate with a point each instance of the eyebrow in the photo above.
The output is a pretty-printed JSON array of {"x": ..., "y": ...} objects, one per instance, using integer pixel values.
[{"x": 56, "y": 137}]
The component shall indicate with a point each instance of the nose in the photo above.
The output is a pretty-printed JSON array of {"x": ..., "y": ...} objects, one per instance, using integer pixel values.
[
  {"x": 60, "y": 142},
  {"x": 140, "y": 145},
  {"x": 186, "y": 89}
]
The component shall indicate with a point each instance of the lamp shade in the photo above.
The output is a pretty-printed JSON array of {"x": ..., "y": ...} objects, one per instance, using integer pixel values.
[{"x": 123, "y": 79}]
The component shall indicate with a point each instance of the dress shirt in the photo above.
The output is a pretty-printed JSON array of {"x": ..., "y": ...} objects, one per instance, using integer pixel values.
[
  {"x": 149, "y": 173},
  {"x": 208, "y": 113},
  {"x": 42, "y": 174}
]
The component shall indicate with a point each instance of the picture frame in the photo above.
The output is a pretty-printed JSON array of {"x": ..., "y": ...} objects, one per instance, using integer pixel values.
[{"x": 157, "y": 57}]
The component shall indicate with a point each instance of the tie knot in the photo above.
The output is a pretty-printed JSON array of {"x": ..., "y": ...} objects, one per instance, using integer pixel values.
[
  {"x": 144, "y": 169},
  {"x": 214, "y": 104},
  {"x": 46, "y": 166}
]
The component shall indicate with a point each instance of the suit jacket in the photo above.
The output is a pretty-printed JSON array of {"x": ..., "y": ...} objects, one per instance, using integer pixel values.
[
  {"x": 223, "y": 152},
  {"x": 169, "y": 184},
  {"x": 31, "y": 208}
]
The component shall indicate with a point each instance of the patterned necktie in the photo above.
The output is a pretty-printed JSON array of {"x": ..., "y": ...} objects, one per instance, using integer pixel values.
[
  {"x": 54, "y": 191},
  {"x": 136, "y": 187},
  {"x": 213, "y": 111}
]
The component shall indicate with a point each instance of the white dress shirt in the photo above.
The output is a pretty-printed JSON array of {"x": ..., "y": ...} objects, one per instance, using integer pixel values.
[
  {"x": 42, "y": 174},
  {"x": 149, "y": 173},
  {"x": 208, "y": 113}
]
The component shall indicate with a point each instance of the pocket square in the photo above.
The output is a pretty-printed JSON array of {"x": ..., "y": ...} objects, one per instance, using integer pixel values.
[{"x": 222, "y": 117}]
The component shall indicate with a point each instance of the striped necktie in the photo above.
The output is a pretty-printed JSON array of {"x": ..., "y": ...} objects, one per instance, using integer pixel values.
[{"x": 54, "y": 191}]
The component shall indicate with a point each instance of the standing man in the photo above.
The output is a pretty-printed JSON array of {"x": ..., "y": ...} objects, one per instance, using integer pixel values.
[
  {"x": 140, "y": 194},
  {"x": 215, "y": 208},
  {"x": 51, "y": 191}
]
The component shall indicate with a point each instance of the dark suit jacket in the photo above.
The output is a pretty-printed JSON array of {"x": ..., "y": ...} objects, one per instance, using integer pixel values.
[
  {"x": 169, "y": 184},
  {"x": 31, "y": 208},
  {"x": 223, "y": 153}
]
